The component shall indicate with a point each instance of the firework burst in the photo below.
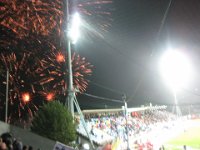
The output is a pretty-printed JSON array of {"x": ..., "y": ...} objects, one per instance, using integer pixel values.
[
  {"x": 80, "y": 68},
  {"x": 49, "y": 95},
  {"x": 96, "y": 13},
  {"x": 36, "y": 67},
  {"x": 44, "y": 16},
  {"x": 24, "y": 17},
  {"x": 55, "y": 72},
  {"x": 21, "y": 85}
]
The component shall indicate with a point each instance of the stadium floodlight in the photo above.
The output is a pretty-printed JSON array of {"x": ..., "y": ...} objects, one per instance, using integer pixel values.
[
  {"x": 73, "y": 34},
  {"x": 176, "y": 69},
  {"x": 177, "y": 72},
  {"x": 86, "y": 146},
  {"x": 73, "y": 24},
  {"x": 74, "y": 31}
]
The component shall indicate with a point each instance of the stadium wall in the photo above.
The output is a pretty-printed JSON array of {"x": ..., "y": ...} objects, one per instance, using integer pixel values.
[{"x": 27, "y": 137}]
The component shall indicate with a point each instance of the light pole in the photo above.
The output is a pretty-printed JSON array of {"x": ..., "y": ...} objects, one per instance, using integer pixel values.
[
  {"x": 177, "y": 108},
  {"x": 126, "y": 118},
  {"x": 177, "y": 71},
  {"x": 71, "y": 92},
  {"x": 7, "y": 95},
  {"x": 73, "y": 23}
]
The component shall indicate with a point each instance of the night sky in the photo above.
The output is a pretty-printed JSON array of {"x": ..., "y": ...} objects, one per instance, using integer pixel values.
[
  {"x": 126, "y": 56},
  {"x": 126, "y": 59}
]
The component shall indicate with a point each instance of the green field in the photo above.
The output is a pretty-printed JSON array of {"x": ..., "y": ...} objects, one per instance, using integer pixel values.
[{"x": 190, "y": 138}]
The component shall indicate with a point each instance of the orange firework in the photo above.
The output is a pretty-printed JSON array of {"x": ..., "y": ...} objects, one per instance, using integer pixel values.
[
  {"x": 45, "y": 17},
  {"x": 21, "y": 85},
  {"x": 50, "y": 96},
  {"x": 26, "y": 97},
  {"x": 23, "y": 17},
  {"x": 60, "y": 58},
  {"x": 31, "y": 44},
  {"x": 56, "y": 71}
]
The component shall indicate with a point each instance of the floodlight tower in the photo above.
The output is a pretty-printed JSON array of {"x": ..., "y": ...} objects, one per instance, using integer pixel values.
[
  {"x": 73, "y": 23},
  {"x": 177, "y": 71}
]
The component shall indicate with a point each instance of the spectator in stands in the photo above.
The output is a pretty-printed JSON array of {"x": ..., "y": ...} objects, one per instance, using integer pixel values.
[
  {"x": 139, "y": 123},
  {"x": 17, "y": 145},
  {"x": 184, "y": 147},
  {"x": 162, "y": 147},
  {"x": 30, "y": 148},
  {"x": 107, "y": 147},
  {"x": 92, "y": 130},
  {"x": 25, "y": 147},
  {"x": 8, "y": 142},
  {"x": 1, "y": 140},
  {"x": 7, "y": 139},
  {"x": 3, "y": 146}
]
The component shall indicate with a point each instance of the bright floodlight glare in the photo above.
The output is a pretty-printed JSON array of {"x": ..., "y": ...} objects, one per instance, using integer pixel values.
[
  {"x": 86, "y": 146},
  {"x": 74, "y": 28},
  {"x": 176, "y": 69}
]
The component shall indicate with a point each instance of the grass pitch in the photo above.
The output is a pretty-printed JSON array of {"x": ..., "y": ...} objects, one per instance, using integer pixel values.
[{"x": 190, "y": 138}]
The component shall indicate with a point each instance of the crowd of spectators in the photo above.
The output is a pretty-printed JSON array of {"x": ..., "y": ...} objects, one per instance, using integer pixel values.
[
  {"x": 8, "y": 142},
  {"x": 134, "y": 126}
]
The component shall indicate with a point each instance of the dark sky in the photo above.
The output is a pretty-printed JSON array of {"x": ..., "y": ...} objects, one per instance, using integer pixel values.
[{"x": 126, "y": 59}]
